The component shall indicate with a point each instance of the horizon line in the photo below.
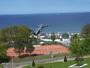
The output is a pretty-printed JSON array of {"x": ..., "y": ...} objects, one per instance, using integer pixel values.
[{"x": 43, "y": 13}]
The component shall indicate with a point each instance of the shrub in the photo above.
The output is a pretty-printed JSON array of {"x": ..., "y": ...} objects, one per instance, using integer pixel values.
[
  {"x": 65, "y": 59},
  {"x": 4, "y": 59},
  {"x": 33, "y": 64}
]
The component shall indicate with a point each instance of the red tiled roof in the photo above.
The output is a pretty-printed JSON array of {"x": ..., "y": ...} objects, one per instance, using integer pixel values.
[{"x": 46, "y": 49}]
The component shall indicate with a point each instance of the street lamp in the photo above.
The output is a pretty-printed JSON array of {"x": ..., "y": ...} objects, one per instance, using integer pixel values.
[{"x": 12, "y": 61}]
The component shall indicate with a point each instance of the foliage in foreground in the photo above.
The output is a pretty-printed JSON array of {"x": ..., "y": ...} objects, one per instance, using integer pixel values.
[
  {"x": 3, "y": 56},
  {"x": 4, "y": 59},
  {"x": 17, "y": 37}
]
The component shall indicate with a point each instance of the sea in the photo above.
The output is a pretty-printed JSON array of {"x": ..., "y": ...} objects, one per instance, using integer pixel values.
[{"x": 57, "y": 22}]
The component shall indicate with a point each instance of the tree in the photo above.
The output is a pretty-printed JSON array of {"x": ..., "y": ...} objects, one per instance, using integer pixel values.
[
  {"x": 65, "y": 35},
  {"x": 85, "y": 30},
  {"x": 77, "y": 48},
  {"x": 86, "y": 45},
  {"x": 22, "y": 38},
  {"x": 3, "y": 55},
  {"x": 53, "y": 37},
  {"x": 2, "y": 49},
  {"x": 17, "y": 37},
  {"x": 85, "y": 33},
  {"x": 81, "y": 46}
]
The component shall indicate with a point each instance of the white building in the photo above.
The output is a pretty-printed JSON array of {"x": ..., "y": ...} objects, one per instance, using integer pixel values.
[{"x": 59, "y": 39}]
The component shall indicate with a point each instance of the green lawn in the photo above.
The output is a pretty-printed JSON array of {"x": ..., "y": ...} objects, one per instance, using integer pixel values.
[
  {"x": 88, "y": 62},
  {"x": 53, "y": 65},
  {"x": 60, "y": 64},
  {"x": 0, "y": 66}
]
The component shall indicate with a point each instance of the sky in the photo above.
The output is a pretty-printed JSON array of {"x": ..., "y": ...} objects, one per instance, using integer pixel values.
[{"x": 43, "y": 6}]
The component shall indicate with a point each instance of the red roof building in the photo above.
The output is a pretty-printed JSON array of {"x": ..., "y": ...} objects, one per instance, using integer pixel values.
[{"x": 42, "y": 50}]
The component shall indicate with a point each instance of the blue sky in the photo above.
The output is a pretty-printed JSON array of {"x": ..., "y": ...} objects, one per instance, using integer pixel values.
[{"x": 43, "y": 6}]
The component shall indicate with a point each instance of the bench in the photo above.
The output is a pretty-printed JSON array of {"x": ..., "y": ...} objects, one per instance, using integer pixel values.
[
  {"x": 72, "y": 65},
  {"x": 83, "y": 65}
]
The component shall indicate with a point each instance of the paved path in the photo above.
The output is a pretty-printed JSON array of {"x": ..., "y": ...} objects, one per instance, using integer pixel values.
[{"x": 21, "y": 64}]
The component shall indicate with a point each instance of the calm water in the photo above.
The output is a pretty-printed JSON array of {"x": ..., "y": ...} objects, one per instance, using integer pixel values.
[{"x": 58, "y": 22}]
